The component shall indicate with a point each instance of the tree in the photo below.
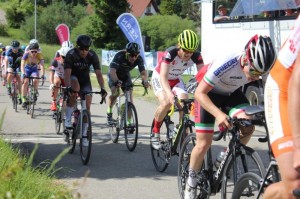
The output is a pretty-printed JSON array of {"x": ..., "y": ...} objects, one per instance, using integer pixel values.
[
  {"x": 164, "y": 36},
  {"x": 104, "y": 29},
  {"x": 51, "y": 16},
  {"x": 191, "y": 11},
  {"x": 167, "y": 7}
]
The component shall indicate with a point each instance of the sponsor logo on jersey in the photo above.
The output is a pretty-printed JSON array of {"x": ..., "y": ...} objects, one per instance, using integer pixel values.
[
  {"x": 231, "y": 63},
  {"x": 235, "y": 77}
]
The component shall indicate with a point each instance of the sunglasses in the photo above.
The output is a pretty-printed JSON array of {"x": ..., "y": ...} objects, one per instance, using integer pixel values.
[
  {"x": 84, "y": 48},
  {"x": 254, "y": 72},
  {"x": 63, "y": 57},
  {"x": 187, "y": 51},
  {"x": 34, "y": 51},
  {"x": 133, "y": 55}
]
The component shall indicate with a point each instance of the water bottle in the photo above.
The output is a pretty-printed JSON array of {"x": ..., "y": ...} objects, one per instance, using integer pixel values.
[
  {"x": 220, "y": 158},
  {"x": 171, "y": 129}
]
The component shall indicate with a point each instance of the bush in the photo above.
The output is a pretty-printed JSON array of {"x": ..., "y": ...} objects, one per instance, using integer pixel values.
[{"x": 3, "y": 30}]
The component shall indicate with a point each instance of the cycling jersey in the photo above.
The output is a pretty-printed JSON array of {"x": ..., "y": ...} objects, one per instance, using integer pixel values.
[
  {"x": 177, "y": 68},
  {"x": 81, "y": 66},
  {"x": 226, "y": 76},
  {"x": 276, "y": 94},
  {"x": 177, "y": 65},
  {"x": 12, "y": 57},
  {"x": 57, "y": 68},
  {"x": 30, "y": 61},
  {"x": 123, "y": 66}
]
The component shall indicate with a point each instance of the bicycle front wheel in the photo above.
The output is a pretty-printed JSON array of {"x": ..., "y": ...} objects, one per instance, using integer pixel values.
[
  {"x": 131, "y": 126},
  {"x": 86, "y": 137},
  {"x": 161, "y": 156},
  {"x": 58, "y": 121},
  {"x": 247, "y": 186},
  {"x": 184, "y": 162},
  {"x": 247, "y": 160},
  {"x": 114, "y": 128},
  {"x": 15, "y": 98}
]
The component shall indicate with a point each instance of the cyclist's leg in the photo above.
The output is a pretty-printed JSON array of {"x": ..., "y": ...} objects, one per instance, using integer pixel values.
[
  {"x": 69, "y": 109},
  {"x": 180, "y": 90},
  {"x": 238, "y": 102},
  {"x": 57, "y": 82},
  {"x": 9, "y": 77},
  {"x": 164, "y": 105},
  {"x": 25, "y": 84}
]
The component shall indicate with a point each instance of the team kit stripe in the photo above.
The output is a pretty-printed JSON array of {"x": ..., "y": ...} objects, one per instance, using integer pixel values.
[{"x": 204, "y": 128}]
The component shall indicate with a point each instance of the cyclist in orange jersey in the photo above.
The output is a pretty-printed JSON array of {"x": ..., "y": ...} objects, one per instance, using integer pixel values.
[{"x": 282, "y": 95}]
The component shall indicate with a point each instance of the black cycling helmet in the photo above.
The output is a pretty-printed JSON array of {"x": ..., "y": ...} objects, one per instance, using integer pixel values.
[
  {"x": 261, "y": 53},
  {"x": 84, "y": 41},
  {"x": 15, "y": 44},
  {"x": 33, "y": 46},
  {"x": 133, "y": 48}
]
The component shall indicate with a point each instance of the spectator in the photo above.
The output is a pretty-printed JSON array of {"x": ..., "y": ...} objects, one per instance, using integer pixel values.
[
  {"x": 222, "y": 10},
  {"x": 289, "y": 12}
]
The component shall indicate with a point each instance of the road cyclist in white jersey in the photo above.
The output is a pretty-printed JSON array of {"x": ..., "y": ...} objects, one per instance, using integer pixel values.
[
  {"x": 56, "y": 76},
  {"x": 166, "y": 77},
  {"x": 218, "y": 88}
]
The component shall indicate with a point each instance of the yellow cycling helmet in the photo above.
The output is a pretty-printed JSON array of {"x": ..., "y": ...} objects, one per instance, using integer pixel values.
[{"x": 188, "y": 40}]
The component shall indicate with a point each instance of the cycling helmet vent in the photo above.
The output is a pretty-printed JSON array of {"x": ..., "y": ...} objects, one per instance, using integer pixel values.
[
  {"x": 260, "y": 53},
  {"x": 15, "y": 44},
  {"x": 132, "y": 48},
  {"x": 188, "y": 40},
  {"x": 33, "y": 41},
  {"x": 67, "y": 44},
  {"x": 84, "y": 41},
  {"x": 33, "y": 46},
  {"x": 64, "y": 50}
]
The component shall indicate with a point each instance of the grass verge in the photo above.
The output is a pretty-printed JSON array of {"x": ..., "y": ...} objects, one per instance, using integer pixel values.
[{"x": 20, "y": 180}]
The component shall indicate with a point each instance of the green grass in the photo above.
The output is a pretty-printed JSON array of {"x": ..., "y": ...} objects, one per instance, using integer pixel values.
[{"x": 20, "y": 180}]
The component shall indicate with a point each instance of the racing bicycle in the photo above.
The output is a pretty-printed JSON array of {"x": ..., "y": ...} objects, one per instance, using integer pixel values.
[
  {"x": 125, "y": 118},
  {"x": 238, "y": 159},
  {"x": 59, "y": 114},
  {"x": 170, "y": 140},
  {"x": 79, "y": 117},
  {"x": 31, "y": 96}
]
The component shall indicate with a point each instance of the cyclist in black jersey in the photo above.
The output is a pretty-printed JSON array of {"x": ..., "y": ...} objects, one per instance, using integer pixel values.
[
  {"x": 12, "y": 62},
  {"x": 77, "y": 75},
  {"x": 119, "y": 72}
]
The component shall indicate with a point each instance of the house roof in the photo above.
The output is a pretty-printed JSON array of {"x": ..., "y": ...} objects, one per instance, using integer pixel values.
[{"x": 138, "y": 6}]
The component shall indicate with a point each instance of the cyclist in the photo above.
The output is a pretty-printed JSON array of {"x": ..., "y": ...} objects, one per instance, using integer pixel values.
[
  {"x": 119, "y": 72},
  {"x": 12, "y": 62},
  {"x": 282, "y": 113},
  {"x": 68, "y": 44},
  {"x": 29, "y": 68},
  {"x": 32, "y": 41},
  {"x": 166, "y": 78},
  {"x": 2, "y": 64},
  {"x": 77, "y": 76},
  {"x": 56, "y": 76},
  {"x": 219, "y": 88}
]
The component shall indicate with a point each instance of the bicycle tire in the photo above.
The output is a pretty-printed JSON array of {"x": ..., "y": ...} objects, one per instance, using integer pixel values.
[
  {"x": 161, "y": 156},
  {"x": 85, "y": 151},
  {"x": 14, "y": 97},
  {"x": 75, "y": 130},
  {"x": 186, "y": 130},
  {"x": 114, "y": 129},
  {"x": 131, "y": 131},
  {"x": 254, "y": 164},
  {"x": 247, "y": 186},
  {"x": 58, "y": 122},
  {"x": 184, "y": 162},
  {"x": 32, "y": 106}
]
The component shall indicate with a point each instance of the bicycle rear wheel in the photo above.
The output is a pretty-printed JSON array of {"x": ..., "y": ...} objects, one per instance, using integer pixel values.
[
  {"x": 161, "y": 156},
  {"x": 85, "y": 151},
  {"x": 75, "y": 130},
  {"x": 247, "y": 186},
  {"x": 114, "y": 128},
  {"x": 15, "y": 97},
  {"x": 131, "y": 127},
  {"x": 58, "y": 121},
  {"x": 253, "y": 163}
]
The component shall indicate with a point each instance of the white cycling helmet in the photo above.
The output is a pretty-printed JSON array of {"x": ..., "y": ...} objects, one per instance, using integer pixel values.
[
  {"x": 67, "y": 44},
  {"x": 33, "y": 41},
  {"x": 64, "y": 50},
  {"x": 7, "y": 47}
]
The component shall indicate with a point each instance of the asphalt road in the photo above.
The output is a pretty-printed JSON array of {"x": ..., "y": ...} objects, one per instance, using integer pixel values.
[{"x": 113, "y": 172}]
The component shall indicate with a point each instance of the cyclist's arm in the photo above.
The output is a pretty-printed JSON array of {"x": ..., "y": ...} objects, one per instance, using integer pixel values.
[
  {"x": 67, "y": 76},
  {"x": 99, "y": 78},
  {"x": 51, "y": 76},
  {"x": 22, "y": 66},
  {"x": 199, "y": 66},
  {"x": 144, "y": 75},
  {"x": 201, "y": 95},
  {"x": 5, "y": 61},
  {"x": 42, "y": 67},
  {"x": 113, "y": 74},
  {"x": 294, "y": 109}
]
